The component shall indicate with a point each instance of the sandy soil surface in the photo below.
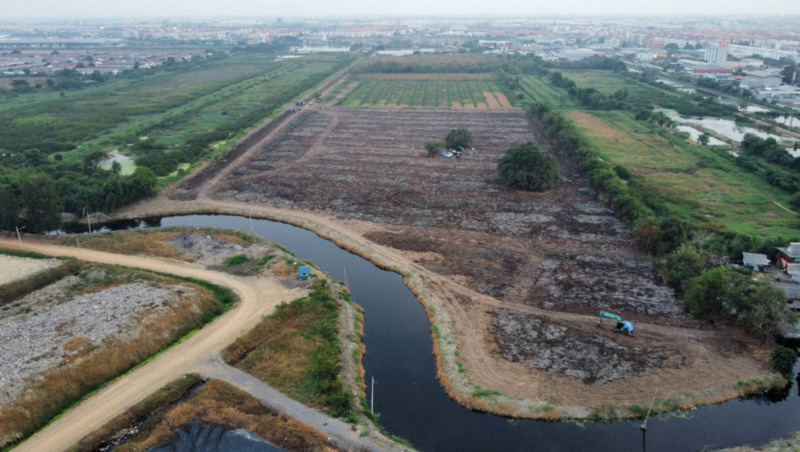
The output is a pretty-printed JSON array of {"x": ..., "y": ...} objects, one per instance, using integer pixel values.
[
  {"x": 13, "y": 268},
  {"x": 475, "y": 252}
]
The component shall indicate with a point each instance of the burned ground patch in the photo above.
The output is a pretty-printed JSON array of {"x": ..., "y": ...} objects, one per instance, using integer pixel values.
[
  {"x": 562, "y": 249},
  {"x": 595, "y": 281},
  {"x": 550, "y": 346}
]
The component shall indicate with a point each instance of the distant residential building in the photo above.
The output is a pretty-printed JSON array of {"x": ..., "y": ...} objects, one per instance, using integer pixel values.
[
  {"x": 717, "y": 54},
  {"x": 763, "y": 52}
]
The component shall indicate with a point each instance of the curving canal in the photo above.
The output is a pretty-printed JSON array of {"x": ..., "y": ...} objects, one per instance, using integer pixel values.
[{"x": 412, "y": 404}]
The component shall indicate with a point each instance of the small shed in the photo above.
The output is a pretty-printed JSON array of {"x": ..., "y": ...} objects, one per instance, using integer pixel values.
[
  {"x": 304, "y": 272},
  {"x": 755, "y": 261}
]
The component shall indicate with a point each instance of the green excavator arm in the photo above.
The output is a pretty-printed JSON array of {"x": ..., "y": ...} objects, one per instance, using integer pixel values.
[{"x": 608, "y": 315}]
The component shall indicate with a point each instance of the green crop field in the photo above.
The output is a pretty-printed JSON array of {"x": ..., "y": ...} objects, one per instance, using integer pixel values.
[
  {"x": 168, "y": 120},
  {"x": 425, "y": 91},
  {"x": 164, "y": 110},
  {"x": 539, "y": 90},
  {"x": 698, "y": 183}
]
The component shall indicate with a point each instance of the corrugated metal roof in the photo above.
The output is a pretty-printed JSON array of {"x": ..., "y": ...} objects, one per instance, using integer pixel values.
[{"x": 751, "y": 259}]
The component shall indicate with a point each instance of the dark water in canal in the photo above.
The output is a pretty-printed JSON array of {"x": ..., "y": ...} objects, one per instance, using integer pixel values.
[{"x": 413, "y": 405}]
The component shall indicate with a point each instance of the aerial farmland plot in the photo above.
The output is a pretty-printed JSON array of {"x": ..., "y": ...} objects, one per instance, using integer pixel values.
[
  {"x": 456, "y": 91},
  {"x": 561, "y": 252}
]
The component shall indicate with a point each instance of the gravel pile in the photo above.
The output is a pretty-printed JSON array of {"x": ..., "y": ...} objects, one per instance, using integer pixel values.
[{"x": 33, "y": 337}]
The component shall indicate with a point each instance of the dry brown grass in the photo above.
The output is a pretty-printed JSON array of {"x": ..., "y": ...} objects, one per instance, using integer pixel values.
[
  {"x": 61, "y": 386},
  {"x": 154, "y": 242},
  {"x": 282, "y": 269}
]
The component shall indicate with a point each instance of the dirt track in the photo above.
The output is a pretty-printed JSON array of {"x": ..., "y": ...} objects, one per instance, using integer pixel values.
[{"x": 258, "y": 297}]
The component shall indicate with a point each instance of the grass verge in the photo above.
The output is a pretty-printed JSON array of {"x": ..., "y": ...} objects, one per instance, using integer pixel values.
[{"x": 297, "y": 350}]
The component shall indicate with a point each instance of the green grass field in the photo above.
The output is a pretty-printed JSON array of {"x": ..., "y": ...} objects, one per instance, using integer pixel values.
[
  {"x": 539, "y": 90},
  {"x": 424, "y": 91},
  {"x": 169, "y": 107},
  {"x": 699, "y": 183}
]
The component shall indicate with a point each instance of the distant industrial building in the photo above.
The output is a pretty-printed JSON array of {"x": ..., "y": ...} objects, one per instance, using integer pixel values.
[{"x": 761, "y": 79}]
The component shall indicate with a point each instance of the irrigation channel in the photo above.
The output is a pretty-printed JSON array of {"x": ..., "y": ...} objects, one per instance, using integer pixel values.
[{"x": 412, "y": 404}]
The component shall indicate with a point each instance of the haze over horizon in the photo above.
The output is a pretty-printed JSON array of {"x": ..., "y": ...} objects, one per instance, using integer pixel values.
[{"x": 71, "y": 9}]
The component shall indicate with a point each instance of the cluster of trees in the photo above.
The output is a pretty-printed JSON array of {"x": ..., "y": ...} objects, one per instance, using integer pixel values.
[
  {"x": 526, "y": 167},
  {"x": 758, "y": 151},
  {"x": 630, "y": 200},
  {"x": 730, "y": 88},
  {"x": 725, "y": 295},
  {"x": 455, "y": 138},
  {"x": 36, "y": 196},
  {"x": 590, "y": 97}
]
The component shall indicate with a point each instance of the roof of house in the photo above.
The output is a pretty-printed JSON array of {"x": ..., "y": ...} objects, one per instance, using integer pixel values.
[
  {"x": 793, "y": 250},
  {"x": 793, "y": 268},
  {"x": 760, "y": 260}
]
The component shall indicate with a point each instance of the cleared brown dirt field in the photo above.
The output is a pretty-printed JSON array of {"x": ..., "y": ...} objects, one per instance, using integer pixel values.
[{"x": 497, "y": 261}]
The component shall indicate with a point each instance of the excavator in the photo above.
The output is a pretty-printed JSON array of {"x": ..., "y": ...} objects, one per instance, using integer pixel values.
[{"x": 623, "y": 326}]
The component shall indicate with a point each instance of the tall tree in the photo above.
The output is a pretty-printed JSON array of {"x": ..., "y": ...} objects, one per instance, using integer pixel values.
[
  {"x": 458, "y": 138},
  {"x": 42, "y": 203},
  {"x": 527, "y": 168}
]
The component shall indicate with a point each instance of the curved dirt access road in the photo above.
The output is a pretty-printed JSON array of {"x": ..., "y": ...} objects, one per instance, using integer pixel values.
[{"x": 199, "y": 353}]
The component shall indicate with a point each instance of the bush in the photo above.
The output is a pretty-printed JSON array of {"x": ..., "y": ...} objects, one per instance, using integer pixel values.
[
  {"x": 527, "y": 168},
  {"x": 725, "y": 294},
  {"x": 683, "y": 265},
  {"x": 433, "y": 147},
  {"x": 458, "y": 138},
  {"x": 783, "y": 360}
]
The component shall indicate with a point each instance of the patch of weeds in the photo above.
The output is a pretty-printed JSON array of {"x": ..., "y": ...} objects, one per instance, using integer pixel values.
[
  {"x": 667, "y": 405},
  {"x": 237, "y": 260},
  {"x": 638, "y": 410},
  {"x": 604, "y": 413},
  {"x": 481, "y": 392},
  {"x": 264, "y": 260},
  {"x": 461, "y": 368}
]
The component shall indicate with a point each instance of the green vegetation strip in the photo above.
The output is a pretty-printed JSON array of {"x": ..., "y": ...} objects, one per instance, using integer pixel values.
[{"x": 297, "y": 350}]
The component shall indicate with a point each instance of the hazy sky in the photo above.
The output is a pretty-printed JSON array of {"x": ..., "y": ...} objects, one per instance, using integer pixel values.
[{"x": 308, "y": 8}]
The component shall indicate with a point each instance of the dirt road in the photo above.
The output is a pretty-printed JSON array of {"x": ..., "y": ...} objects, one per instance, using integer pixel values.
[{"x": 258, "y": 297}]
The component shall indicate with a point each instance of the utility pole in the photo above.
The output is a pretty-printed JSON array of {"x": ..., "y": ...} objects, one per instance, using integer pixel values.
[
  {"x": 20, "y": 237},
  {"x": 644, "y": 424},
  {"x": 250, "y": 219},
  {"x": 372, "y": 397},
  {"x": 89, "y": 222},
  {"x": 78, "y": 244}
]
